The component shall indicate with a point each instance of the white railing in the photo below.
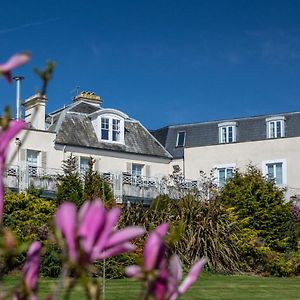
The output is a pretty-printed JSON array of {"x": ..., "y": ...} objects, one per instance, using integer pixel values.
[{"x": 123, "y": 184}]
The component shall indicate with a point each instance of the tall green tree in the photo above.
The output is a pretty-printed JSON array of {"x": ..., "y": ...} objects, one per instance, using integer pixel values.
[
  {"x": 69, "y": 184},
  {"x": 97, "y": 187}
]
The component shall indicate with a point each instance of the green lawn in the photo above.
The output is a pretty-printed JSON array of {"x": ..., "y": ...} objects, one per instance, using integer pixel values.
[{"x": 210, "y": 286}]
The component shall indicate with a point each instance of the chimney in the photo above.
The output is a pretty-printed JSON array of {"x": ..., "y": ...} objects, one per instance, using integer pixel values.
[
  {"x": 35, "y": 109},
  {"x": 88, "y": 97}
]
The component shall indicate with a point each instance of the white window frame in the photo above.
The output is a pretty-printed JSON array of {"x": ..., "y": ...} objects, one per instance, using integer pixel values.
[
  {"x": 275, "y": 121},
  {"x": 111, "y": 118},
  {"x": 32, "y": 165},
  {"x": 226, "y": 126},
  {"x": 183, "y": 144},
  {"x": 284, "y": 170},
  {"x": 82, "y": 171},
  {"x": 226, "y": 167},
  {"x": 142, "y": 169}
]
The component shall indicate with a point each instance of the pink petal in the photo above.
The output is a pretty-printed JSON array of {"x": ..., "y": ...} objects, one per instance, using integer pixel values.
[
  {"x": 162, "y": 229},
  {"x": 154, "y": 247},
  {"x": 124, "y": 235},
  {"x": 91, "y": 226},
  {"x": 15, "y": 61},
  {"x": 6, "y": 136},
  {"x": 160, "y": 285},
  {"x": 192, "y": 276},
  {"x": 111, "y": 220},
  {"x": 175, "y": 275},
  {"x": 32, "y": 266},
  {"x": 134, "y": 271},
  {"x": 126, "y": 247},
  {"x": 65, "y": 220}
]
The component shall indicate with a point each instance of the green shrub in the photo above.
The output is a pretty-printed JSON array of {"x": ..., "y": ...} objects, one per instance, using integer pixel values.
[
  {"x": 205, "y": 229},
  {"x": 28, "y": 216},
  {"x": 260, "y": 206},
  {"x": 51, "y": 263}
]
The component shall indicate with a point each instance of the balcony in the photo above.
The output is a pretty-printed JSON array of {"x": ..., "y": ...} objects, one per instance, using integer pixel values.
[{"x": 125, "y": 186}]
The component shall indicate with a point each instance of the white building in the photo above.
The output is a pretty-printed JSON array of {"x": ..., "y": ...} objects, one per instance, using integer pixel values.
[
  {"x": 270, "y": 142},
  {"x": 135, "y": 161},
  {"x": 129, "y": 157}
]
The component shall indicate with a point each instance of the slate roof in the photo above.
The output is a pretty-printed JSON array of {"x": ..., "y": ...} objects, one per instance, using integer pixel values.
[
  {"x": 207, "y": 133},
  {"x": 73, "y": 126}
]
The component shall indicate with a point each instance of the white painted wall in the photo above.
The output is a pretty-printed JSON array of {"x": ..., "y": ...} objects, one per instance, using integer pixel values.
[
  {"x": 107, "y": 161},
  {"x": 242, "y": 154}
]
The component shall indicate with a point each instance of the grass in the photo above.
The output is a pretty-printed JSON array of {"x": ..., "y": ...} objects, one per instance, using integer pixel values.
[{"x": 209, "y": 286}]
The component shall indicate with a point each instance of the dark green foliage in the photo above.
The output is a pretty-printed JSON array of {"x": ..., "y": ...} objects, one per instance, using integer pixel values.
[
  {"x": 97, "y": 187},
  {"x": 34, "y": 191},
  {"x": 259, "y": 205},
  {"x": 51, "y": 263},
  {"x": 204, "y": 227},
  {"x": 69, "y": 186}
]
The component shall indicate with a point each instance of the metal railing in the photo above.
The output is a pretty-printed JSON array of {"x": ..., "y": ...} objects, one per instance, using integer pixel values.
[{"x": 124, "y": 185}]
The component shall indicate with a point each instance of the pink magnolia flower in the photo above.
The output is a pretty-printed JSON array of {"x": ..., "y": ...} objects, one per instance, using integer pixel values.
[
  {"x": 14, "y": 62},
  {"x": 5, "y": 137},
  {"x": 91, "y": 234},
  {"x": 31, "y": 269},
  {"x": 162, "y": 276}
]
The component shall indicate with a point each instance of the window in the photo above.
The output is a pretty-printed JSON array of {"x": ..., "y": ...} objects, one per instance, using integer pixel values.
[
  {"x": 110, "y": 129},
  {"x": 115, "y": 130},
  {"x": 274, "y": 172},
  {"x": 104, "y": 129},
  {"x": 275, "y": 127},
  {"x": 224, "y": 174},
  {"x": 227, "y": 132},
  {"x": 180, "y": 139},
  {"x": 32, "y": 162},
  {"x": 84, "y": 164},
  {"x": 137, "y": 170}
]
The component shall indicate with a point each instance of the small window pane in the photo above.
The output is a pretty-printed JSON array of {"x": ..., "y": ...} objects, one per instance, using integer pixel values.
[
  {"x": 223, "y": 134},
  {"x": 137, "y": 169},
  {"x": 278, "y": 129},
  {"x": 222, "y": 176},
  {"x": 116, "y": 130},
  {"x": 229, "y": 173},
  {"x": 230, "y": 134},
  {"x": 180, "y": 139},
  {"x": 104, "y": 128},
  {"x": 84, "y": 164},
  {"x": 279, "y": 180}
]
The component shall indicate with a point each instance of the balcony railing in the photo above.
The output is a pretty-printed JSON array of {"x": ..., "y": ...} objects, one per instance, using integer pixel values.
[{"x": 124, "y": 185}]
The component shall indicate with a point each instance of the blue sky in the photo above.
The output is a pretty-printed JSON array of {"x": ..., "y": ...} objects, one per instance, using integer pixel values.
[{"x": 161, "y": 62}]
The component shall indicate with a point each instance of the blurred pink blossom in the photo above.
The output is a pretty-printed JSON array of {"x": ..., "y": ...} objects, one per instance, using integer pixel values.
[
  {"x": 5, "y": 137},
  {"x": 162, "y": 276},
  {"x": 32, "y": 266},
  {"x": 14, "y": 62},
  {"x": 92, "y": 234}
]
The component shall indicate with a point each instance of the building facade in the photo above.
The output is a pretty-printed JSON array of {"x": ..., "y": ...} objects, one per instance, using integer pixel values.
[
  {"x": 270, "y": 142},
  {"x": 125, "y": 152},
  {"x": 136, "y": 162}
]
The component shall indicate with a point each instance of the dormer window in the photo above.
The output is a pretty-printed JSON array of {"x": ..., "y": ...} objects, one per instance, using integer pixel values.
[
  {"x": 110, "y": 129},
  {"x": 227, "y": 132},
  {"x": 180, "y": 139},
  {"x": 275, "y": 127},
  {"x": 109, "y": 125}
]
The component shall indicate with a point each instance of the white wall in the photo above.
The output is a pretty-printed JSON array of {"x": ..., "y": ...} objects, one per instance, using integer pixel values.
[{"x": 242, "y": 154}]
